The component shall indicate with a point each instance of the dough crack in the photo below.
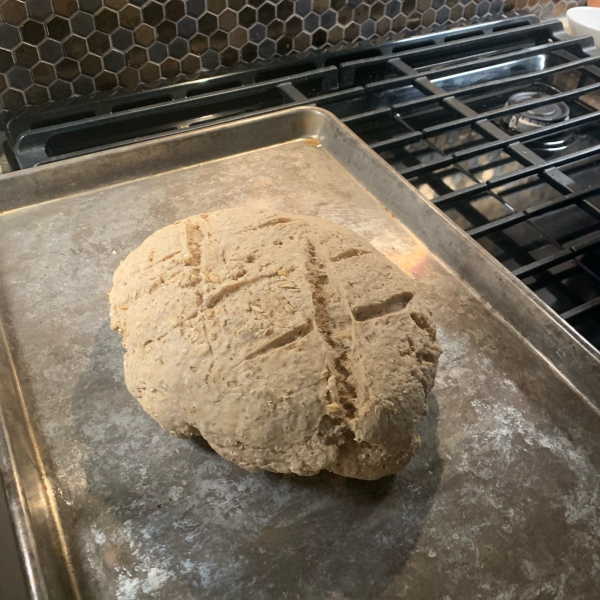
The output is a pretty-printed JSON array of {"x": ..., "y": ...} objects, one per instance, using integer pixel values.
[
  {"x": 276, "y": 221},
  {"x": 157, "y": 338},
  {"x": 350, "y": 253},
  {"x": 168, "y": 275},
  {"x": 229, "y": 289},
  {"x": 330, "y": 326},
  {"x": 392, "y": 305},
  {"x": 191, "y": 237},
  {"x": 286, "y": 339},
  {"x": 210, "y": 350},
  {"x": 268, "y": 223},
  {"x": 162, "y": 259}
]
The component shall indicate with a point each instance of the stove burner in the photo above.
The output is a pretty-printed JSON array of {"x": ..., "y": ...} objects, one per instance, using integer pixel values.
[{"x": 536, "y": 118}]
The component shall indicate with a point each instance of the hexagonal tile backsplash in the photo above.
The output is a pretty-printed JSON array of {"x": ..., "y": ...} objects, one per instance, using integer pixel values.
[{"x": 55, "y": 49}]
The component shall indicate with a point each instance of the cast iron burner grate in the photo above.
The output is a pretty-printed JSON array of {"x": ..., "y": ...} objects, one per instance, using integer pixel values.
[{"x": 497, "y": 124}]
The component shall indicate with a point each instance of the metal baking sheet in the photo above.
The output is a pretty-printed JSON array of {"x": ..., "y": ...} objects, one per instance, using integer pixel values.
[{"x": 500, "y": 502}]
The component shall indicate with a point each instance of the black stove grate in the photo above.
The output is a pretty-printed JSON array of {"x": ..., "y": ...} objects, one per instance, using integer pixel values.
[{"x": 436, "y": 108}]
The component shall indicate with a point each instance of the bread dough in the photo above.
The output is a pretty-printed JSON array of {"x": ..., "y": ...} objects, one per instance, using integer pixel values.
[{"x": 288, "y": 342}]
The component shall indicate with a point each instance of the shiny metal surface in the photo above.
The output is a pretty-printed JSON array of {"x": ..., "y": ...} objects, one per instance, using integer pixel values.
[
  {"x": 509, "y": 68},
  {"x": 12, "y": 579},
  {"x": 500, "y": 499}
]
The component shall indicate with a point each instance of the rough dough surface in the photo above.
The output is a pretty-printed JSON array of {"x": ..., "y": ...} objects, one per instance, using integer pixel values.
[{"x": 289, "y": 343}]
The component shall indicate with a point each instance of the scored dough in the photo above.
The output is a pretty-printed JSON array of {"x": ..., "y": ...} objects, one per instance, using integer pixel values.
[{"x": 288, "y": 342}]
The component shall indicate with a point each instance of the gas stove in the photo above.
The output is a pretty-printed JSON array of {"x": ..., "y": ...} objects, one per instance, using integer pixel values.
[{"x": 497, "y": 124}]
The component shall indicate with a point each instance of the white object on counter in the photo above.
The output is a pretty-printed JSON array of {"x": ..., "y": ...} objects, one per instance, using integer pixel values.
[{"x": 585, "y": 20}]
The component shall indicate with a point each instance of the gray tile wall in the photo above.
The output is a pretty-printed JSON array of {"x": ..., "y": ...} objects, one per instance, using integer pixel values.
[{"x": 55, "y": 49}]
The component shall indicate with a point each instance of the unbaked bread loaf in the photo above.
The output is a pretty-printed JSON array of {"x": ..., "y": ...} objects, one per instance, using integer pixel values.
[{"x": 288, "y": 342}]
